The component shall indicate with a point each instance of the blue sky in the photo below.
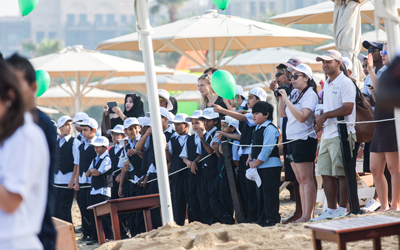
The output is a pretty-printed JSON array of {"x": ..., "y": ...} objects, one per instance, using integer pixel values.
[{"x": 9, "y": 8}]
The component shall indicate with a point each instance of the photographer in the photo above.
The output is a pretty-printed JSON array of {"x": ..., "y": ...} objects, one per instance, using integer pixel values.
[{"x": 299, "y": 110}]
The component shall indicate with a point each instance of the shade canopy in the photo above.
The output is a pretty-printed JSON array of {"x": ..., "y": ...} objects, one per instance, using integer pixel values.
[
  {"x": 322, "y": 13},
  {"x": 48, "y": 111},
  {"x": 368, "y": 36},
  {"x": 213, "y": 32},
  {"x": 264, "y": 61},
  {"x": 65, "y": 100},
  {"x": 192, "y": 96},
  {"x": 179, "y": 81}
]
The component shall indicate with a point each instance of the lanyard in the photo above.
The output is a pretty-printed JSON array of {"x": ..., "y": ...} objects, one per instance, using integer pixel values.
[{"x": 300, "y": 96}]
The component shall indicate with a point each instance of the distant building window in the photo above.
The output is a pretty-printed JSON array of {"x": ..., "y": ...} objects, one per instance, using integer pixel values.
[
  {"x": 98, "y": 19},
  {"x": 272, "y": 6},
  {"x": 83, "y": 19},
  {"x": 52, "y": 35},
  {"x": 124, "y": 19},
  {"x": 111, "y": 20},
  {"x": 253, "y": 10},
  {"x": 70, "y": 19},
  {"x": 39, "y": 36}
]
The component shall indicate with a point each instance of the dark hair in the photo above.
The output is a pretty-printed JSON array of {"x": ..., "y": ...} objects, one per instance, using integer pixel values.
[
  {"x": 174, "y": 105},
  {"x": 212, "y": 69},
  {"x": 23, "y": 64},
  {"x": 85, "y": 126},
  {"x": 344, "y": 69},
  {"x": 311, "y": 83},
  {"x": 265, "y": 108},
  {"x": 10, "y": 91},
  {"x": 1, "y": 57}
]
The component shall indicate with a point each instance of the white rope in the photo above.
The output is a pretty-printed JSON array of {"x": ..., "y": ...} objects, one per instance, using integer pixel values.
[
  {"x": 116, "y": 171},
  {"x": 66, "y": 187},
  {"x": 177, "y": 171}
]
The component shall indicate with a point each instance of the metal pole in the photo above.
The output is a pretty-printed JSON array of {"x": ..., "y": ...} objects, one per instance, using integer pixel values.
[{"x": 144, "y": 30}]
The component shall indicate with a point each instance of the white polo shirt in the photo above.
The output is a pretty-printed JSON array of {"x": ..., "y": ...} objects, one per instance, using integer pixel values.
[
  {"x": 294, "y": 128},
  {"x": 340, "y": 91}
]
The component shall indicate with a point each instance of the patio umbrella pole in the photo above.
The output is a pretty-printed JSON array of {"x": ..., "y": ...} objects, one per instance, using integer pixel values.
[{"x": 144, "y": 29}]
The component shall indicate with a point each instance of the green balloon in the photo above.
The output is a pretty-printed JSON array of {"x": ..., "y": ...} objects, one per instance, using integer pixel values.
[
  {"x": 224, "y": 84},
  {"x": 27, "y": 6},
  {"x": 222, "y": 4},
  {"x": 42, "y": 81}
]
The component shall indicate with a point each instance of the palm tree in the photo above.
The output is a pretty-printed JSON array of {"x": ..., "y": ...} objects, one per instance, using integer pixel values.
[
  {"x": 46, "y": 47},
  {"x": 172, "y": 5}
]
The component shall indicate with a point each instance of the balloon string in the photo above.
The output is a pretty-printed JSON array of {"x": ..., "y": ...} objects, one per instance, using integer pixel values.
[{"x": 23, "y": 24}]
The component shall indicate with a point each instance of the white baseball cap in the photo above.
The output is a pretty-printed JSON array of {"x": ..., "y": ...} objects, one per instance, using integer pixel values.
[
  {"x": 63, "y": 120},
  {"x": 330, "y": 55},
  {"x": 100, "y": 141},
  {"x": 252, "y": 174},
  {"x": 180, "y": 117},
  {"x": 361, "y": 57},
  {"x": 164, "y": 112},
  {"x": 196, "y": 114},
  {"x": 122, "y": 141},
  {"x": 209, "y": 114},
  {"x": 348, "y": 63},
  {"x": 303, "y": 68},
  {"x": 130, "y": 121},
  {"x": 164, "y": 94},
  {"x": 146, "y": 121},
  {"x": 80, "y": 116},
  {"x": 90, "y": 122},
  {"x": 259, "y": 92},
  {"x": 239, "y": 91},
  {"x": 231, "y": 122},
  {"x": 119, "y": 129}
]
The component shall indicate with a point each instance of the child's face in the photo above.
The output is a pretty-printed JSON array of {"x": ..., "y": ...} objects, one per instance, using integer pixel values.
[
  {"x": 252, "y": 100},
  {"x": 78, "y": 128},
  {"x": 196, "y": 124},
  {"x": 259, "y": 118},
  {"x": 209, "y": 124},
  {"x": 100, "y": 149},
  {"x": 164, "y": 122},
  {"x": 116, "y": 136},
  {"x": 144, "y": 129},
  {"x": 133, "y": 131},
  {"x": 88, "y": 132},
  {"x": 66, "y": 129},
  {"x": 232, "y": 103},
  {"x": 181, "y": 128},
  {"x": 227, "y": 129}
]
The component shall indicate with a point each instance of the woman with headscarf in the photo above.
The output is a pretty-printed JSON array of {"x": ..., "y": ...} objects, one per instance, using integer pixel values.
[{"x": 133, "y": 108}]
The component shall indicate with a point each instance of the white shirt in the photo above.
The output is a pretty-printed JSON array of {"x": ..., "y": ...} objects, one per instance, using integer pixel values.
[
  {"x": 184, "y": 149},
  {"x": 24, "y": 169},
  {"x": 181, "y": 139},
  {"x": 104, "y": 167},
  {"x": 121, "y": 161},
  {"x": 341, "y": 90},
  {"x": 83, "y": 179},
  {"x": 59, "y": 177},
  {"x": 294, "y": 128},
  {"x": 367, "y": 81}
]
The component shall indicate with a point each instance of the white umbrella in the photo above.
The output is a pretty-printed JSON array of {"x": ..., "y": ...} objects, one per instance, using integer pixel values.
[
  {"x": 48, "y": 111},
  {"x": 323, "y": 13},
  {"x": 78, "y": 62},
  {"x": 179, "y": 81},
  {"x": 375, "y": 35},
  {"x": 264, "y": 61},
  {"x": 209, "y": 32},
  {"x": 188, "y": 96},
  {"x": 61, "y": 98}
]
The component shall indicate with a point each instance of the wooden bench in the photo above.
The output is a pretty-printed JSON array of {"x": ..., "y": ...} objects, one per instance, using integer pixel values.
[
  {"x": 124, "y": 205},
  {"x": 343, "y": 231}
]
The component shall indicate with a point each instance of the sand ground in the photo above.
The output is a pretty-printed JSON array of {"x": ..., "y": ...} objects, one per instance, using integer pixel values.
[{"x": 243, "y": 236}]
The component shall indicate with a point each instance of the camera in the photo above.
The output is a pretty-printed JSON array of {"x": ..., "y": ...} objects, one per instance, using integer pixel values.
[{"x": 283, "y": 86}]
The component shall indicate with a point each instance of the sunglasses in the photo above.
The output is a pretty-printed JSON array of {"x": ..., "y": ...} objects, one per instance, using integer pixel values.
[
  {"x": 383, "y": 52},
  {"x": 295, "y": 77},
  {"x": 372, "y": 50},
  {"x": 278, "y": 74},
  {"x": 161, "y": 99}
]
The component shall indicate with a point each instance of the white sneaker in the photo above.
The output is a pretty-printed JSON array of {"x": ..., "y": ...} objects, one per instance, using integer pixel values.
[
  {"x": 371, "y": 206},
  {"x": 338, "y": 213},
  {"x": 322, "y": 216}
]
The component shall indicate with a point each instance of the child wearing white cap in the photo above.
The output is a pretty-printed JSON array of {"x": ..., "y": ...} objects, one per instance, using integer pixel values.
[
  {"x": 179, "y": 181},
  {"x": 240, "y": 101},
  {"x": 67, "y": 169},
  {"x": 190, "y": 157},
  {"x": 221, "y": 201},
  {"x": 101, "y": 183},
  {"x": 86, "y": 156},
  {"x": 78, "y": 117}
]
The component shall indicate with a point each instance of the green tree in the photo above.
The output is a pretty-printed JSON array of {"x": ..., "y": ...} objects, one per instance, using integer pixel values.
[
  {"x": 44, "y": 48},
  {"x": 172, "y": 5}
]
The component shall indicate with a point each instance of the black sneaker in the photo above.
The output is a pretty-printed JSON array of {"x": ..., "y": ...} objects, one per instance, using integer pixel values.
[
  {"x": 91, "y": 242},
  {"x": 78, "y": 230},
  {"x": 228, "y": 220},
  {"x": 84, "y": 238}
]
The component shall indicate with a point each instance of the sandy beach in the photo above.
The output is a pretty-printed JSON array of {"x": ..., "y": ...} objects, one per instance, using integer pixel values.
[{"x": 242, "y": 236}]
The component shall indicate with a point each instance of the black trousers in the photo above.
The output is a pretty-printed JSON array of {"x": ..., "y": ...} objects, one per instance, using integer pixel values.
[
  {"x": 64, "y": 199},
  {"x": 179, "y": 195},
  {"x": 136, "y": 219},
  {"x": 152, "y": 188},
  {"x": 221, "y": 199},
  {"x": 249, "y": 191},
  {"x": 83, "y": 203},
  {"x": 94, "y": 199},
  {"x": 207, "y": 181},
  {"x": 268, "y": 195},
  {"x": 194, "y": 185}
]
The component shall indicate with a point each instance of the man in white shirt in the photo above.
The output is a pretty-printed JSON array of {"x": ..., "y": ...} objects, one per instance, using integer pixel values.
[{"x": 339, "y": 100}]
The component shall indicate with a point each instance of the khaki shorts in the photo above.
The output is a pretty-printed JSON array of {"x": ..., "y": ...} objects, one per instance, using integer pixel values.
[{"x": 330, "y": 159}]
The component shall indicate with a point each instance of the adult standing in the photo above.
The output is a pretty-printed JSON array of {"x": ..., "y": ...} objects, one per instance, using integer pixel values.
[
  {"x": 339, "y": 100},
  {"x": 208, "y": 96},
  {"x": 384, "y": 143},
  {"x": 23, "y": 193},
  {"x": 299, "y": 110}
]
